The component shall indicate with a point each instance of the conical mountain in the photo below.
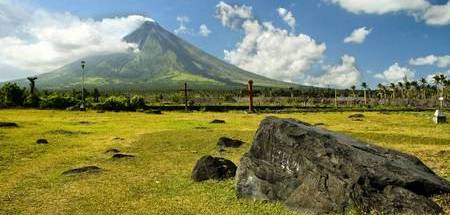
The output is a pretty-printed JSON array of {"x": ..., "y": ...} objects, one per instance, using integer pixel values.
[{"x": 162, "y": 61}]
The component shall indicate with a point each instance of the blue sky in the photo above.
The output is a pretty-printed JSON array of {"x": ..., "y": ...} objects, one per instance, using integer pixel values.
[{"x": 397, "y": 36}]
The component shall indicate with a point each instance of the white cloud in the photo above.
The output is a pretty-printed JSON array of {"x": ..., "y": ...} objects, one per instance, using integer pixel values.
[
  {"x": 287, "y": 17},
  {"x": 439, "y": 61},
  {"x": 381, "y": 6},
  {"x": 263, "y": 44},
  {"x": 420, "y": 9},
  {"x": 342, "y": 76},
  {"x": 204, "y": 30},
  {"x": 182, "y": 29},
  {"x": 44, "y": 41},
  {"x": 437, "y": 15},
  {"x": 233, "y": 16},
  {"x": 395, "y": 73},
  {"x": 358, "y": 35}
]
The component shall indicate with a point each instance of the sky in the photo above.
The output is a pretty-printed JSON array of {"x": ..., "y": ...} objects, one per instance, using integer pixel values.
[{"x": 327, "y": 43}]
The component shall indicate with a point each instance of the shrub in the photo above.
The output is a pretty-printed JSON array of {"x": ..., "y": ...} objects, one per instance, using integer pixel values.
[
  {"x": 56, "y": 101},
  {"x": 137, "y": 102},
  {"x": 115, "y": 103},
  {"x": 12, "y": 94}
]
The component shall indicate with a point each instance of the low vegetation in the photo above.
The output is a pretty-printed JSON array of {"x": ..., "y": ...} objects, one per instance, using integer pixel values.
[{"x": 166, "y": 147}]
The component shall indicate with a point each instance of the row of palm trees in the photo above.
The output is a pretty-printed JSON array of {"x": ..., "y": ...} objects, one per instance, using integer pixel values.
[{"x": 407, "y": 90}]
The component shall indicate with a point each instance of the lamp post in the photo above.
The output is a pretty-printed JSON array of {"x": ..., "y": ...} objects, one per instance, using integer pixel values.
[{"x": 82, "y": 106}]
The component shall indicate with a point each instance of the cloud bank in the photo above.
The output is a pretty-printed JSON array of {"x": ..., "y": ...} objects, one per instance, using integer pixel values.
[
  {"x": 439, "y": 61},
  {"x": 287, "y": 17},
  {"x": 343, "y": 75},
  {"x": 42, "y": 41},
  {"x": 395, "y": 73},
  {"x": 422, "y": 10},
  {"x": 263, "y": 44}
]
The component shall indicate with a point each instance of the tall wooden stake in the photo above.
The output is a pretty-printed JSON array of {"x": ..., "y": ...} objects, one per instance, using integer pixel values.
[
  {"x": 185, "y": 97},
  {"x": 250, "y": 96}
]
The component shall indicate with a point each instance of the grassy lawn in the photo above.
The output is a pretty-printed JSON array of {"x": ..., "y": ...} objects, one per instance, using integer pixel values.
[{"x": 157, "y": 180}]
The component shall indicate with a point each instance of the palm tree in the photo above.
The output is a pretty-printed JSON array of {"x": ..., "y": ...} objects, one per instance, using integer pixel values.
[
  {"x": 400, "y": 87},
  {"x": 393, "y": 88},
  {"x": 423, "y": 86},
  {"x": 353, "y": 92},
  {"x": 364, "y": 86}
]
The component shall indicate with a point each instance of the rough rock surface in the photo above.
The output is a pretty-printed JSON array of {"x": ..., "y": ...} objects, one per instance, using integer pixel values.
[
  {"x": 228, "y": 142},
  {"x": 209, "y": 167},
  {"x": 314, "y": 170}
]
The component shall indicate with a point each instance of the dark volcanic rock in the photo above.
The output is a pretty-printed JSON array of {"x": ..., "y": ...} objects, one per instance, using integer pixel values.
[
  {"x": 42, "y": 141},
  {"x": 217, "y": 121},
  {"x": 311, "y": 169},
  {"x": 118, "y": 156},
  {"x": 86, "y": 169},
  {"x": 153, "y": 112},
  {"x": 356, "y": 115},
  {"x": 112, "y": 150},
  {"x": 8, "y": 125},
  {"x": 209, "y": 167},
  {"x": 228, "y": 142}
]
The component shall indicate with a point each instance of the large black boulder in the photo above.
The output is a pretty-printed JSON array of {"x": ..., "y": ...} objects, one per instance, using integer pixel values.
[
  {"x": 314, "y": 170},
  {"x": 209, "y": 167}
]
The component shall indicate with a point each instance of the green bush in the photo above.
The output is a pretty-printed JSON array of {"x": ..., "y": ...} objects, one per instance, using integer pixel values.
[
  {"x": 116, "y": 103},
  {"x": 56, "y": 101},
  {"x": 137, "y": 102},
  {"x": 32, "y": 100},
  {"x": 12, "y": 95}
]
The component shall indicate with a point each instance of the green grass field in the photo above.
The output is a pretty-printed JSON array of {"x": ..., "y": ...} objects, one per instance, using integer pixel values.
[{"x": 157, "y": 180}]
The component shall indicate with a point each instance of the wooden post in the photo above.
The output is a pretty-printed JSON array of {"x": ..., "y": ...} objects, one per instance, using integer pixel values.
[
  {"x": 250, "y": 96},
  {"x": 185, "y": 97}
]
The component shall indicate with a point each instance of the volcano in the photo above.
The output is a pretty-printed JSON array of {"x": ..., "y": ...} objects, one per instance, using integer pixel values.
[{"x": 161, "y": 61}]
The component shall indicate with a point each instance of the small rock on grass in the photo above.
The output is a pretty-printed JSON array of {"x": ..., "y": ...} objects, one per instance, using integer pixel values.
[
  {"x": 86, "y": 169},
  {"x": 153, "y": 112},
  {"x": 228, "y": 142},
  {"x": 112, "y": 150},
  {"x": 118, "y": 156},
  {"x": 42, "y": 141},
  {"x": 217, "y": 121},
  {"x": 8, "y": 125},
  {"x": 356, "y": 115},
  {"x": 216, "y": 168}
]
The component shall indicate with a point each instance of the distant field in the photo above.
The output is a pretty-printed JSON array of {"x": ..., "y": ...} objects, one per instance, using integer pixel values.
[{"x": 157, "y": 180}]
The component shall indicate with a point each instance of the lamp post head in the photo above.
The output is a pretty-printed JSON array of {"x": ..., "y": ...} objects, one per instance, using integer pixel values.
[{"x": 83, "y": 63}]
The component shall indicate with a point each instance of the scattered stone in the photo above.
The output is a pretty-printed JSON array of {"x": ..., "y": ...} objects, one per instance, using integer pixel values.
[
  {"x": 85, "y": 123},
  {"x": 357, "y": 119},
  {"x": 42, "y": 141},
  {"x": 86, "y": 169},
  {"x": 118, "y": 156},
  {"x": 113, "y": 150},
  {"x": 8, "y": 125},
  {"x": 200, "y": 127},
  {"x": 319, "y": 124},
  {"x": 217, "y": 121},
  {"x": 228, "y": 142},
  {"x": 118, "y": 138},
  {"x": 356, "y": 115},
  {"x": 194, "y": 152},
  {"x": 153, "y": 112},
  {"x": 216, "y": 168},
  {"x": 314, "y": 170},
  {"x": 66, "y": 132}
]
